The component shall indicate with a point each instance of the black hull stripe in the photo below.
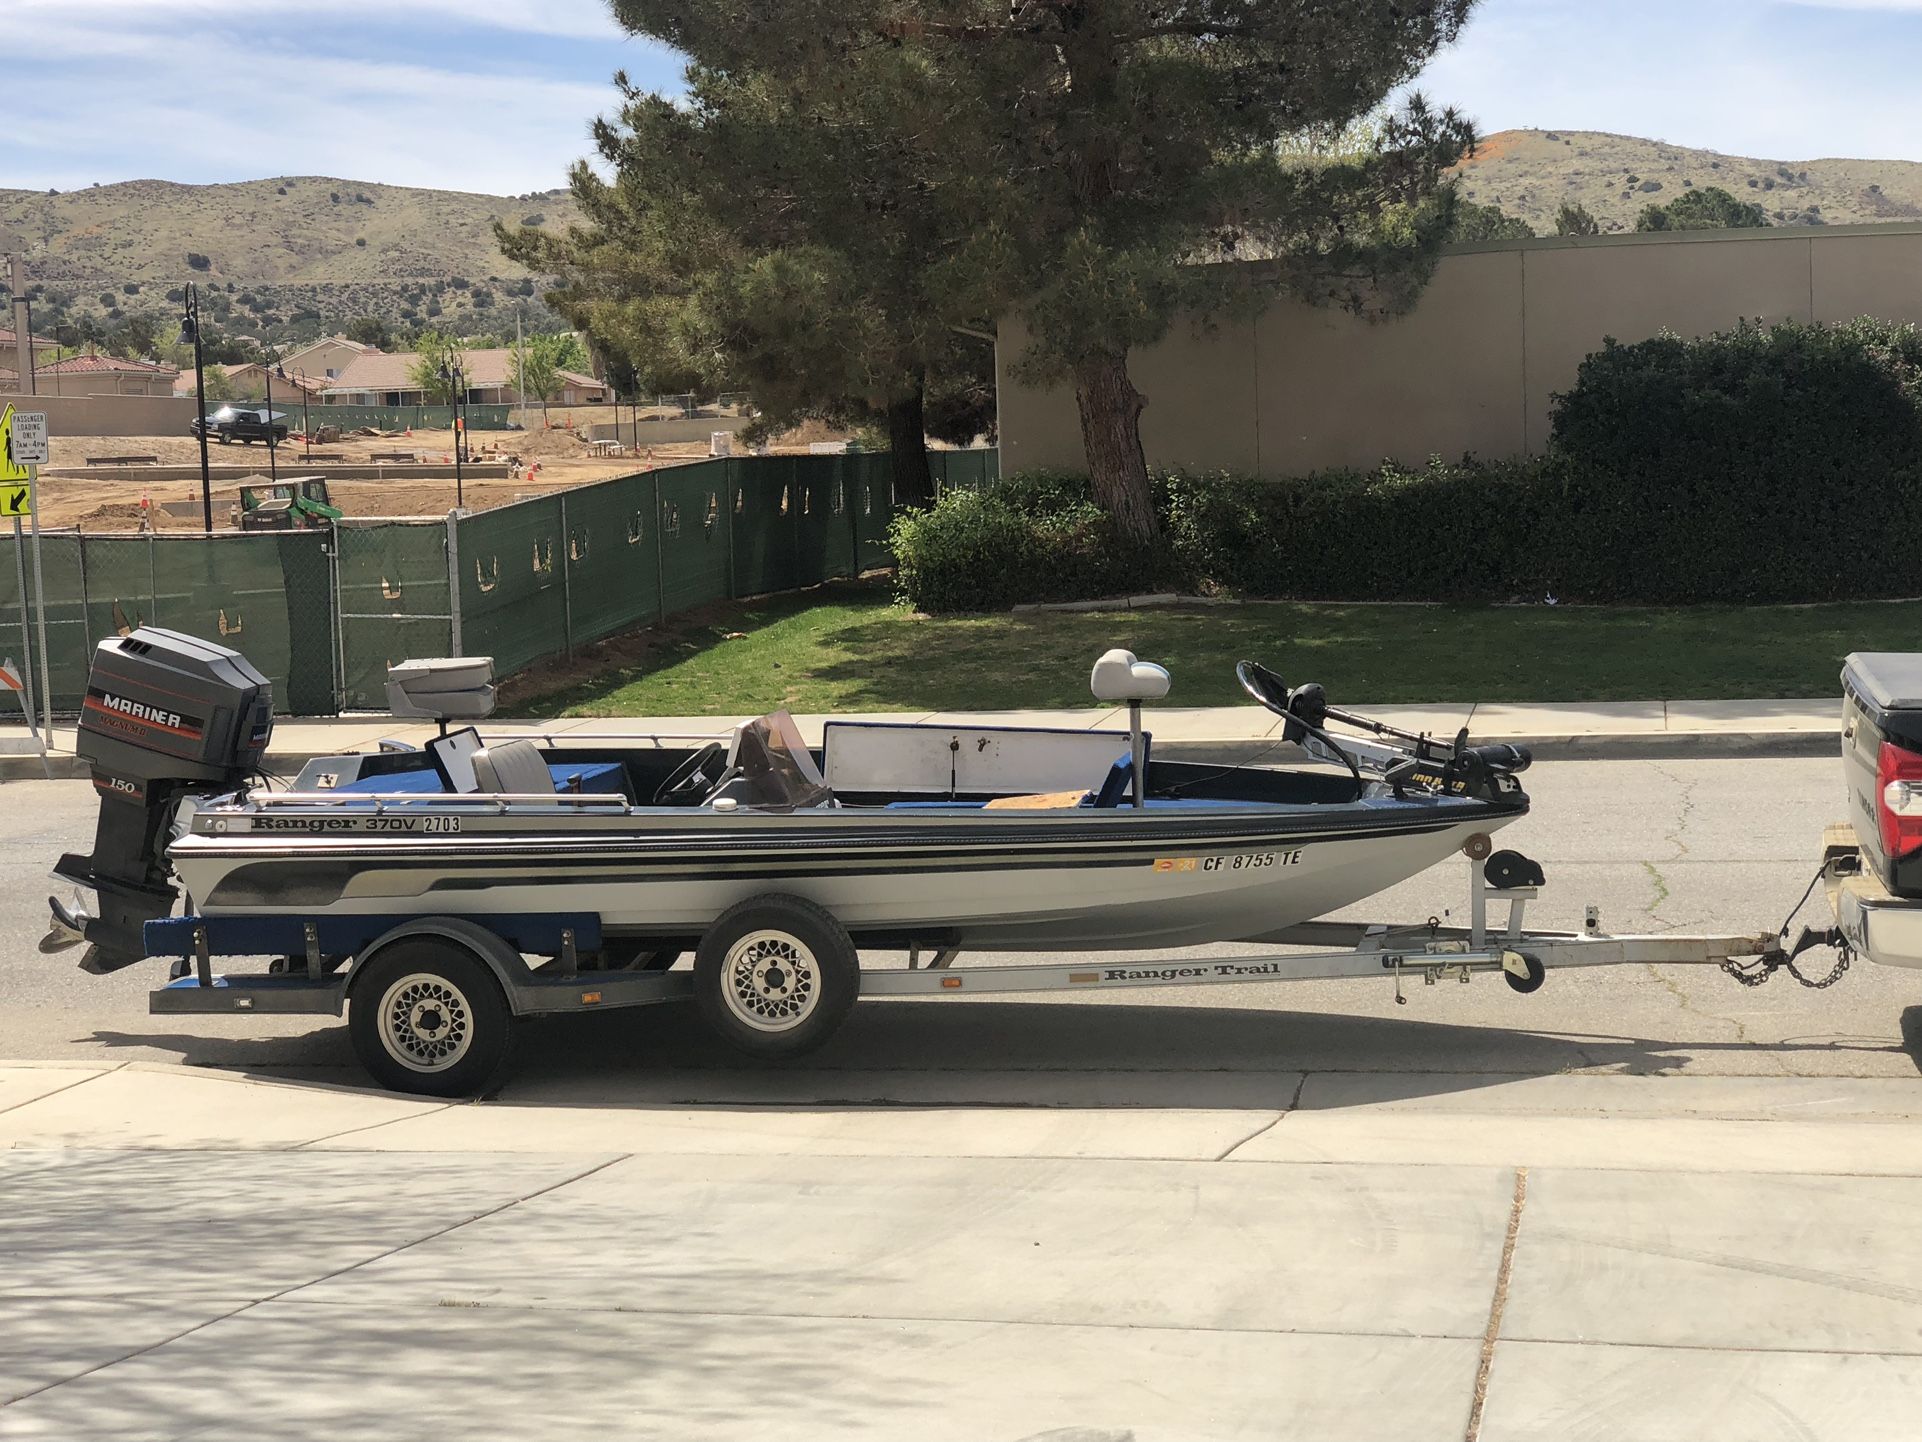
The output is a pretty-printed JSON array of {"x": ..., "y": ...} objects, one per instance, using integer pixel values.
[
  {"x": 657, "y": 849},
  {"x": 319, "y": 880}
]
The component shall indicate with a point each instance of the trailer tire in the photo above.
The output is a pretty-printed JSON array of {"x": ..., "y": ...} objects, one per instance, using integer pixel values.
[
  {"x": 428, "y": 1016},
  {"x": 775, "y": 976}
]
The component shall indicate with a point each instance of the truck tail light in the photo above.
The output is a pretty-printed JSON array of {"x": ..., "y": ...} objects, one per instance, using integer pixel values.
[{"x": 1898, "y": 799}]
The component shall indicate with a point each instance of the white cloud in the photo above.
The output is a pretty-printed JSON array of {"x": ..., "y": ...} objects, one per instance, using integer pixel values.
[{"x": 227, "y": 101}]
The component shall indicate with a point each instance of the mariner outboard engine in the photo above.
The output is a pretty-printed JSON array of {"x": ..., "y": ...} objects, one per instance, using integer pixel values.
[{"x": 165, "y": 716}]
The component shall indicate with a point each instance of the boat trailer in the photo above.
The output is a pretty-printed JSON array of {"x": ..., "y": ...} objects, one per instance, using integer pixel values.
[{"x": 304, "y": 981}]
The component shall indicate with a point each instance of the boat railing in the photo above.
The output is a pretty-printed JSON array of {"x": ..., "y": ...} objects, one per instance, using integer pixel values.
[
  {"x": 498, "y": 801},
  {"x": 560, "y": 740}
]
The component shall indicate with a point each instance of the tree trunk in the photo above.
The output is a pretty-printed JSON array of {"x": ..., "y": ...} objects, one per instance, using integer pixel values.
[
  {"x": 908, "y": 440},
  {"x": 1111, "y": 435}
]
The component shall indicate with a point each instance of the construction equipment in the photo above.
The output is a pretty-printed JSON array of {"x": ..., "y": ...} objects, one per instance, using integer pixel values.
[{"x": 298, "y": 504}]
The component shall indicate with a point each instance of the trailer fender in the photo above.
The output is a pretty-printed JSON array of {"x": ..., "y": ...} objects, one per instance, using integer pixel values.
[{"x": 510, "y": 968}]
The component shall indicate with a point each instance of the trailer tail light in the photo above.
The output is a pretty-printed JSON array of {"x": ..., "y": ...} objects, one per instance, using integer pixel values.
[{"x": 1898, "y": 799}]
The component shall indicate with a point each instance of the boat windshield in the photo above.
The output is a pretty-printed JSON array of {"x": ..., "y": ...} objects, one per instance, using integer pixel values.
[{"x": 772, "y": 765}]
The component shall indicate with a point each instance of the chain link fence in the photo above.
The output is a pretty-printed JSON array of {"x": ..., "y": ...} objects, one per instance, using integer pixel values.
[{"x": 324, "y": 613}]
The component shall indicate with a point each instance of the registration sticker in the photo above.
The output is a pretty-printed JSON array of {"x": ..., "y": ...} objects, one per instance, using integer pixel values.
[{"x": 1176, "y": 863}]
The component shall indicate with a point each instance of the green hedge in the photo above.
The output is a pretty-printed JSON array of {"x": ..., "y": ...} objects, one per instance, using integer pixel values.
[{"x": 1764, "y": 465}]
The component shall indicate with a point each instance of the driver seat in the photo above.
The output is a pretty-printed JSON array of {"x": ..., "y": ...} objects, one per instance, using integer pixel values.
[{"x": 514, "y": 768}]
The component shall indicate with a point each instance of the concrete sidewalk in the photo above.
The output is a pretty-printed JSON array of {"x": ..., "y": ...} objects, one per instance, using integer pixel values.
[
  {"x": 1594, "y": 728},
  {"x": 1359, "y": 1257}
]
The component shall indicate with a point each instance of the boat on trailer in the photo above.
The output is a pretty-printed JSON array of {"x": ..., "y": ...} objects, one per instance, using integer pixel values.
[{"x": 434, "y": 892}]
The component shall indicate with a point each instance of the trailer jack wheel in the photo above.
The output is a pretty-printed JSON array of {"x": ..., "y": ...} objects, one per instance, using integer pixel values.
[{"x": 1529, "y": 977}]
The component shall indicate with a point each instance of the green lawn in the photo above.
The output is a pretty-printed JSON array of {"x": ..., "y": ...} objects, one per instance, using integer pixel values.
[{"x": 846, "y": 648}]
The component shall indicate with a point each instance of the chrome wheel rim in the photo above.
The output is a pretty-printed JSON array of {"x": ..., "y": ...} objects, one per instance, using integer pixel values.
[
  {"x": 426, "y": 1023},
  {"x": 771, "y": 980}
]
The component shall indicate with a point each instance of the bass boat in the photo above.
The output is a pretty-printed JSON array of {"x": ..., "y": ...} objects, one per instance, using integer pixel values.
[{"x": 980, "y": 837}]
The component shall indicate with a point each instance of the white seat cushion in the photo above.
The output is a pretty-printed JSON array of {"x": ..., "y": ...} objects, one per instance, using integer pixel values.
[
  {"x": 513, "y": 768},
  {"x": 1118, "y": 676}
]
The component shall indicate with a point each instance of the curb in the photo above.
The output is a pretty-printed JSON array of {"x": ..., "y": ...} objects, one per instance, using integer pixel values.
[{"x": 1621, "y": 746}]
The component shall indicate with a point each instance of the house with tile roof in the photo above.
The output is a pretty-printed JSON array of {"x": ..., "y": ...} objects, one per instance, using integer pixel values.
[
  {"x": 104, "y": 375},
  {"x": 43, "y": 345},
  {"x": 380, "y": 379}
]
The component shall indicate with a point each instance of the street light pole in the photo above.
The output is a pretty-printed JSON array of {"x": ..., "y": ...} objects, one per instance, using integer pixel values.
[
  {"x": 190, "y": 332},
  {"x": 306, "y": 428},
  {"x": 267, "y": 370},
  {"x": 452, "y": 375}
]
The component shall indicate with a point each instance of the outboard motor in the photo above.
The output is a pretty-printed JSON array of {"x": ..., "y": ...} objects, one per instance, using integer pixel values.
[{"x": 165, "y": 716}]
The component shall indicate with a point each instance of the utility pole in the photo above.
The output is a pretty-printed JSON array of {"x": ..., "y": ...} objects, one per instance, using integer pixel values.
[
  {"x": 520, "y": 370},
  {"x": 22, "y": 322}
]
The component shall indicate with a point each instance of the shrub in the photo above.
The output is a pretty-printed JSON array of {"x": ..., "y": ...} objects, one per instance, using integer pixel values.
[
  {"x": 1763, "y": 465},
  {"x": 1760, "y": 464},
  {"x": 1034, "y": 538}
]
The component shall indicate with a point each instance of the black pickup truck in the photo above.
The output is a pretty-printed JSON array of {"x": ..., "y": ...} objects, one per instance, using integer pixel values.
[{"x": 230, "y": 423}]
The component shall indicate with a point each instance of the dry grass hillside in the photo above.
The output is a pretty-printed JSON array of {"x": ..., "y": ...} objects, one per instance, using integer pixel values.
[
  {"x": 1530, "y": 173},
  {"x": 280, "y": 259},
  {"x": 292, "y": 230}
]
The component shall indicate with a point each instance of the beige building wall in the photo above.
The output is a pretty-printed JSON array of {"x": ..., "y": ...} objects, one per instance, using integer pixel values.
[
  {"x": 108, "y": 415},
  {"x": 110, "y": 383},
  {"x": 1475, "y": 366}
]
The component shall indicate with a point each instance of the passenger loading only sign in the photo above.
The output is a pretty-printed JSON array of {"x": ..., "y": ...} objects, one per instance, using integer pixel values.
[{"x": 23, "y": 445}]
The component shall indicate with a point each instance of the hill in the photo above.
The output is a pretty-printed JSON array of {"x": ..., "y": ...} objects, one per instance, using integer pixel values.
[
  {"x": 307, "y": 252},
  {"x": 1530, "y": 173}
]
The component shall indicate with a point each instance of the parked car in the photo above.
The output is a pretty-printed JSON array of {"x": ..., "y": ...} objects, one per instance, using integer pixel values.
[{"x": 231, "y": 423}]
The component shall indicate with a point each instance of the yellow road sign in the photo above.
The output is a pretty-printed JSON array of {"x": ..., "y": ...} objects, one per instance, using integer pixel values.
[
  {"x": 16, "y": 498},
  {"x": 10, "y": 469}
]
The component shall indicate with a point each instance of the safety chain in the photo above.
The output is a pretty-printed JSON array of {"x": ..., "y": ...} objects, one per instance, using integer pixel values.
[
  {"x": 1766, "y": 966},
  {"x": 1758, "y": 973}
]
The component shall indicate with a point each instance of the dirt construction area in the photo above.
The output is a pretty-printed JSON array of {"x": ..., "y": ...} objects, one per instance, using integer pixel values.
[{"x": 551, "y": 460}]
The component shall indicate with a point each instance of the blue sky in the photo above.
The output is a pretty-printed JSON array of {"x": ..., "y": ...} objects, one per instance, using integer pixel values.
[{"x": 496, "y": 95}]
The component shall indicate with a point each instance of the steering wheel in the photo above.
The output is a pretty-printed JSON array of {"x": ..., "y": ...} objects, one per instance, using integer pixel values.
[
  {"x": 1264, "y": 685},
  {"x": 694, "y": 777}
]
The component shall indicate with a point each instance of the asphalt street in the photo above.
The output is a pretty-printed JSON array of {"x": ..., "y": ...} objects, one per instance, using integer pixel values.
[{"x": 1682, "y": 845}]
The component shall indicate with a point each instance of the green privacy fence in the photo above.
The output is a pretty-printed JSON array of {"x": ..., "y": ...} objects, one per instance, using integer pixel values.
[
  {"x": 324, "y": 613},
  {"x": 543, "y": 576},
  {"x": 268, "y": 596},
  {"x": 397, "y": 418}
]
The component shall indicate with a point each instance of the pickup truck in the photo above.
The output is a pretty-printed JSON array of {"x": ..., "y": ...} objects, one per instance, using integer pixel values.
[
  {"x": 231, "y": 423},
  {"x": 1872, "y": 862}
]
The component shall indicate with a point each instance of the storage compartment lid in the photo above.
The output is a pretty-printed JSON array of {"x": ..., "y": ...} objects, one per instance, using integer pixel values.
[
  {"x": 445, "y": 673},
  {"x": 1887, "y": 680}
]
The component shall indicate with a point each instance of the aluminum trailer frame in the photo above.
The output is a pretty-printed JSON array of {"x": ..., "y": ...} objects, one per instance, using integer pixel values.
[{"x": 1430, "y": 950}]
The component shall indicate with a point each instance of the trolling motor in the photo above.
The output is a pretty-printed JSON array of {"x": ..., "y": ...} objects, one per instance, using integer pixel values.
[
  {"x": 166, "y": 716},
  {"x": 1450, "y": 770}
]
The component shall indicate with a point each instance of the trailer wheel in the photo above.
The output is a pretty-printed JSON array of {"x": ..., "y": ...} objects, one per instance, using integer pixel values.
[
  {"x": 775, "y": 976},
  {"x": 427, "y": 1016},
  {"x": 1532, "y": 982}
]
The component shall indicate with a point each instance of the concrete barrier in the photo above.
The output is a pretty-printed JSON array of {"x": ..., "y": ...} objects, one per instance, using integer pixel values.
[{"x": 660, "y": 433}]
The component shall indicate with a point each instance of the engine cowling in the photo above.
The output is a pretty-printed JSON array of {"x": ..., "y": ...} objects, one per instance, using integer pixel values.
[{"x": 165, "y": 716}]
